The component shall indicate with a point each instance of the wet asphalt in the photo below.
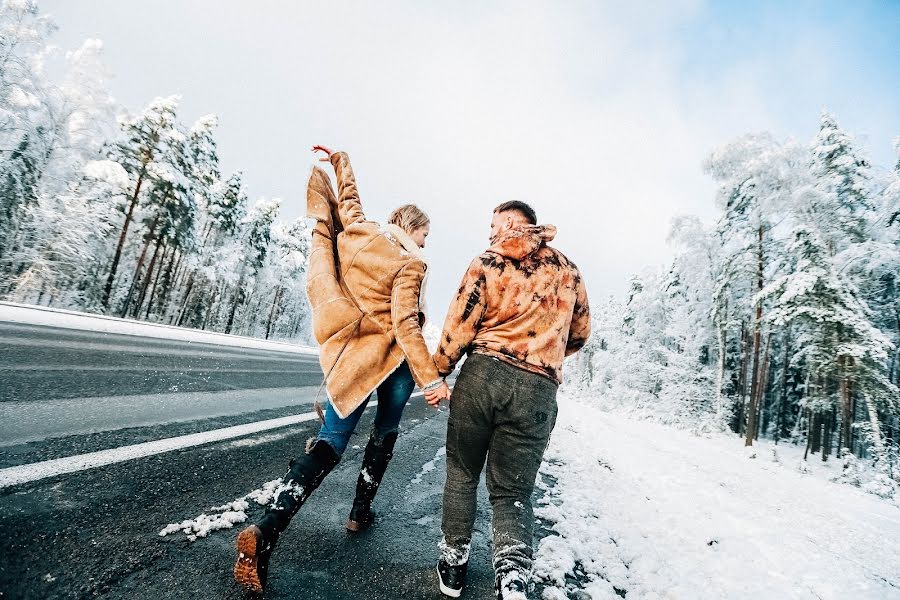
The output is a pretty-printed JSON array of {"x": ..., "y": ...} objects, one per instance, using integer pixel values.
[{"x": 95, "y": 533}]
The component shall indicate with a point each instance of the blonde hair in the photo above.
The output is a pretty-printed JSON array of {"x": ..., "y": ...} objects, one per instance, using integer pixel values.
[{"x": 408, "y": 217}]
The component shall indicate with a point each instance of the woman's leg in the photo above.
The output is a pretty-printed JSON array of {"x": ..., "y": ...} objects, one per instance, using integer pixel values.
[
  {"x": 337, "y": 431},
  {"x": 393, "y": 395},
  {"x": 255, "y": 543}
]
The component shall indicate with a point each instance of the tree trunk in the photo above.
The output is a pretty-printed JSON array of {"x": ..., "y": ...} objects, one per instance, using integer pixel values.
[
  {"x": 137, "y": 271},
  {"x": 757, "y": 338},
  {"x": 219, "y": 293},
  {"x": 763, "y": 384},
  {"x": 238, "y": 297},
  {"x": 816, "y": 432},
  {"x": 877, "y": 438},
  {"x": 782, "y": 397},
  {"x": 187, "y": 298},
  {"x": 145, "y": 282},
  {"x": 828, "y": 428},
  {"x": 162, "y": 260},
  {"x": 742, "y": 383},
  {"x": 846, "y": 412},
  {"x": 272, "y": 312},
  {"x": 720, "y": 376},
  {"x": 107, "y": 290},
  {"x": 808, "y": 432}
]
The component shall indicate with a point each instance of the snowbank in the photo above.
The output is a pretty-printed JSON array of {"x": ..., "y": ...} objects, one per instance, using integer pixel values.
[
  {"x": 644, "y": 511},
  {"x": 53, "y": 317}
]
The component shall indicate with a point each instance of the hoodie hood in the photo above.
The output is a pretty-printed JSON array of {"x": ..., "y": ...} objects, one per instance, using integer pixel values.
[{"x": 519, "y": 242}]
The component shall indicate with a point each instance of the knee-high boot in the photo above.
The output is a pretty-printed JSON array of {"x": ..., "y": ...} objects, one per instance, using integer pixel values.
[
  {"x": 375, "y": 461},
  {"x": 256, "y": 543}
]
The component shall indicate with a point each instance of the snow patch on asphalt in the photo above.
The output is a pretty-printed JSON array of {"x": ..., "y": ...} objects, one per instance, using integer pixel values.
[
  {"x": 227, "y": 515},
  {"x": 638, "y": 510},
  {"x": 430, "y": 465}
]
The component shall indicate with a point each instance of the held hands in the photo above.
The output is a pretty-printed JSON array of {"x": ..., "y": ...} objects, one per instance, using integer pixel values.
[
  {"x": 434, "y": 397},
  {"x": 328, "y": 152}
]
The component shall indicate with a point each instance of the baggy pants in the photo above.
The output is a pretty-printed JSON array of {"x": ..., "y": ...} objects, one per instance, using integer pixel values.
[{"x": 504, "y": 415}]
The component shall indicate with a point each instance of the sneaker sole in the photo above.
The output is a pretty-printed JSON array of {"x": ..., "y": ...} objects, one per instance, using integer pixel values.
[
  {"x": 245, "y": 572},
  {"x": 444, "y": 589}
]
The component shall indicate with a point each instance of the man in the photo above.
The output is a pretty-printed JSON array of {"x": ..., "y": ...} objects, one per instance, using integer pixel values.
[{"x": 521, "y": 309}]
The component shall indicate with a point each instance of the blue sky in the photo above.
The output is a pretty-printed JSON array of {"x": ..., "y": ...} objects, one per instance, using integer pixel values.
[
  {"x": 806, "y": 56},
  {"x": 600, "y": 114}
]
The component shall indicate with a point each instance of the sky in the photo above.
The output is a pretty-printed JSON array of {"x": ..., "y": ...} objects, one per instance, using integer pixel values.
[{"x": 598, "y": 114}]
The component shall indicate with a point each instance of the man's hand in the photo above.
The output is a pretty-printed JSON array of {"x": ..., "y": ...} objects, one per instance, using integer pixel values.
[
  {"x": 434, "y": 397},
  {"x": 328, "y": 152}
]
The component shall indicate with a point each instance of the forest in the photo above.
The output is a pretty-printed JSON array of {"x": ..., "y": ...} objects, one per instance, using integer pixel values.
[
  {"x": 781, "y": 318},
  {"x": 130, "y": 215}
]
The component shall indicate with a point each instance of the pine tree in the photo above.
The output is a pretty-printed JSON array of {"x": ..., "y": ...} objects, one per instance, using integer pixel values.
[
  {"x": 843, "y": 177},
  {"x": 835, "y": 339},
  {"x": 255, "y": 245},
  {"x": 146, "y": 139},
  {"x": 755, "y": 175}
]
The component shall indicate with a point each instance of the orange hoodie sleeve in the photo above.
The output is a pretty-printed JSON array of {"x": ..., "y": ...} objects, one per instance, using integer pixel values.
[
  {"x": 349, "y": 206},
  {"x": 463, "y": 318},
  {"x": 405, "y": 317},
  {"x": 580, "y": 329}
]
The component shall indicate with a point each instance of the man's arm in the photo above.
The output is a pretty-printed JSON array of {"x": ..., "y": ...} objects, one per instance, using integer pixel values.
[
  {"x": 580, "y": 329},
  {"x": 463, "y": 318},
  {"x": 405, "y": 317}
]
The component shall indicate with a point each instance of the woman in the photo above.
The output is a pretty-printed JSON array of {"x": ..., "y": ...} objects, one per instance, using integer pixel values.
[{"x": 365, "y": 292}]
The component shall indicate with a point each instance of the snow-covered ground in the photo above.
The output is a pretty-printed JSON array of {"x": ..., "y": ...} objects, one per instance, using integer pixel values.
[
  {"x": 12, "y": 312},
  {"x": 644, "y": 511}
]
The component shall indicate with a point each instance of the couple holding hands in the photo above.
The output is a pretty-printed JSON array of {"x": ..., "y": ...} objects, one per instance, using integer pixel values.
[{"x": 520, "y": 310}]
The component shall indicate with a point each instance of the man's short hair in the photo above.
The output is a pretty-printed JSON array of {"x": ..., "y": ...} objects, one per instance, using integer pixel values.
[{"x": 520, "y": 207}]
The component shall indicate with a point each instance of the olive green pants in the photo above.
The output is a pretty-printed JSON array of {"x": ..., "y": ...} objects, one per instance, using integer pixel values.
[{"x": 501, "y": 415}]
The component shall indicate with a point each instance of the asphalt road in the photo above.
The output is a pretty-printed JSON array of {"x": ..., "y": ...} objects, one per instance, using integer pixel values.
[
  {"x": 41, "y": 363},
  {"x": 95, "y": 533}
]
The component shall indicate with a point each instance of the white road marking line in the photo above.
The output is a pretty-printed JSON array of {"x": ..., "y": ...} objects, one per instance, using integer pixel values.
[{"x": 71, "y": 464}]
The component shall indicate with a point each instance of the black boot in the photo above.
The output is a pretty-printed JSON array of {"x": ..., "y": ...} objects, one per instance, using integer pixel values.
[
  {"x": 255, "y": 543},
  {"x": 375, "y": 461}
]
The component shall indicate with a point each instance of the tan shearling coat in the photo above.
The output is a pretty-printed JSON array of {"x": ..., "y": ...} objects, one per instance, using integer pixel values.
[{"x": 365, "y": 297}]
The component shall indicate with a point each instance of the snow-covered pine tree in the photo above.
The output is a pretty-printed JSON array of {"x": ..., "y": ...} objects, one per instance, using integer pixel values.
[
  {"x": 255, "y": 240},
  {"x": 755, "y": 175},
  {"x": 834, "y": 338},
  {"x": 844, "y": 180},
  {"x": 145, "y": 140}
]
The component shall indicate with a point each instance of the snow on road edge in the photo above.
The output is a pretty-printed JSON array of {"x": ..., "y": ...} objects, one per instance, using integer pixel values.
[
  {"x": 11, "y": 312},
  {"x": 638, "y": 510}
]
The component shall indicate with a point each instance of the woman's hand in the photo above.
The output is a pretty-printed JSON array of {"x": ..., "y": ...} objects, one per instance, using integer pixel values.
[
  {"x": 328, "y": 152},
  {"x": 434, "y": 397}
]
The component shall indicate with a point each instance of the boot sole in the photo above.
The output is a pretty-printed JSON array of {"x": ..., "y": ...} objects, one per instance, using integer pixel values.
[
  {"x": 245, "y": 569},
  {"x": 444, "y": 589},
  {"x": 356, "y": 526}
]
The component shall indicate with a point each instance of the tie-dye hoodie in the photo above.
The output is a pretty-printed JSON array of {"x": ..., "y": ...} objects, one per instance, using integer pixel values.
[{"x": 521, "y": 302}]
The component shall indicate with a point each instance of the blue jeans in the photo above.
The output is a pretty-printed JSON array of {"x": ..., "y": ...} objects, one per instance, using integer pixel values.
[{"x": 393, "y": 394}]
